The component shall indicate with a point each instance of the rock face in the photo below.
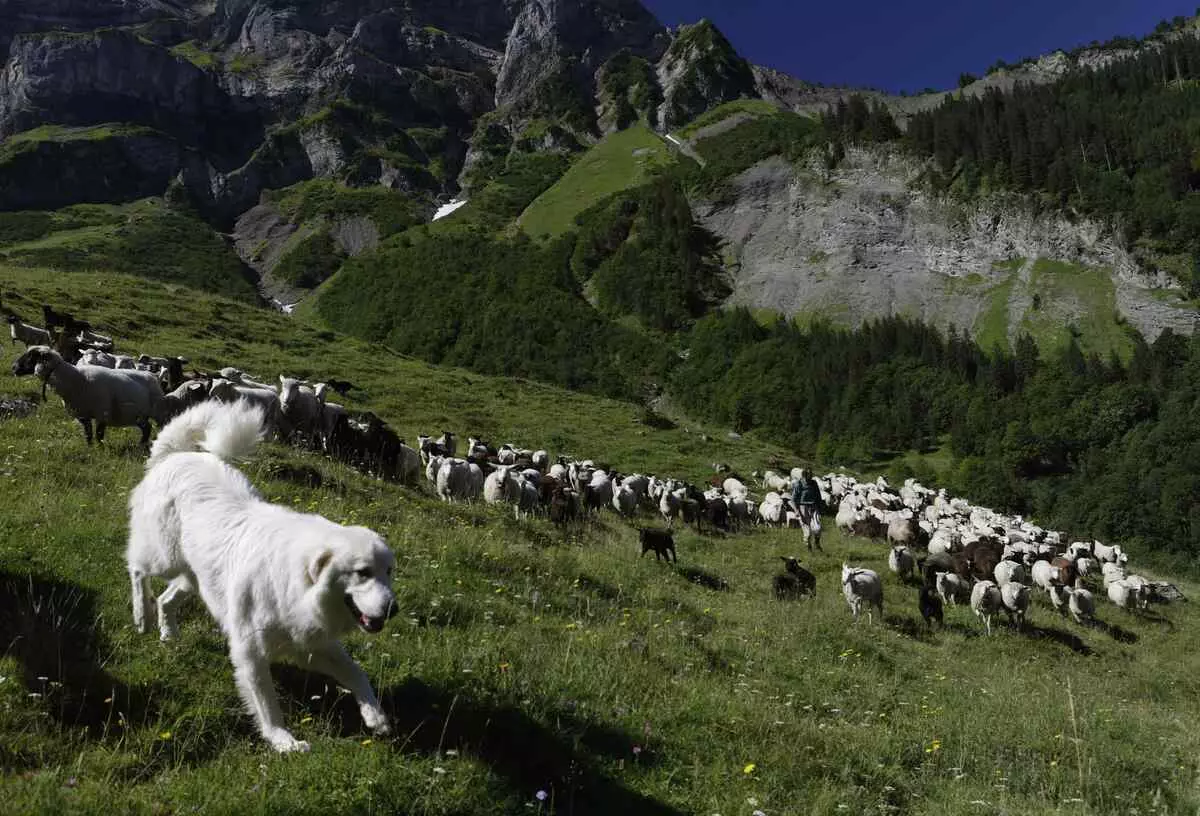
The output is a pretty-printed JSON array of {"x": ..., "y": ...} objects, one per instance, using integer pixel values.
[
  {"x": 860, "y": 243},
  {"x": 700, "y": 70}
]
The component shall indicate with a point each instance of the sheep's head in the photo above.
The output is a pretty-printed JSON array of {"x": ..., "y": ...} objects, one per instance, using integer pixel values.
[
  {"x": 288, "y": 388},
  {"x": 40, "y": 360}
]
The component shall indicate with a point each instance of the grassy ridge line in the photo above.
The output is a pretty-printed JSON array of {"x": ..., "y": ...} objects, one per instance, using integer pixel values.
[{"x": 413, "y": 396}]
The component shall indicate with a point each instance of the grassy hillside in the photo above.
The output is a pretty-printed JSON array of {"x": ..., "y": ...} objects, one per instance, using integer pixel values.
[
  {"x": 620, "y": 161},
  {"x": 528, "y": 662},
  {"x": 144, "y": 238}
]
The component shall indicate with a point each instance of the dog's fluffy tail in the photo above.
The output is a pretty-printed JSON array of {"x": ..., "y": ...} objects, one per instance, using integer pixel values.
[{"x": 227, "y": 430}]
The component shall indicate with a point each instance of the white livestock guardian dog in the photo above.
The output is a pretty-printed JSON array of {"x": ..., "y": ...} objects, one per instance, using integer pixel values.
[{"x": 279, "y": 582}]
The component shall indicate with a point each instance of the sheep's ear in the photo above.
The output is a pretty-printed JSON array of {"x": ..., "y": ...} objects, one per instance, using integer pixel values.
[{"x": 318, "y": 565}]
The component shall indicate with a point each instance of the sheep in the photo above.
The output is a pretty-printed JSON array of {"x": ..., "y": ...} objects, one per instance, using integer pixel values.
[
  {"x": 96, "y": 357},
  {"x": 1112, "y": 572},
  {"x": 598, "y": 492},
  {"x": 901, "y": 561},
  {"x": 238, "y": 377},
  {"x": 1126, "y": 595},
  {"x": 501, "y": 486},
  {"x": 27, "y": 334},
  {"x": 454, "y": 480},
  {"x": 118, "y": 398},
  {"x": 1016, "y": 602},
  {"x": 1009, "y": 572},
  {"x": 862, "y": 586},
  {"x": 624, "y": 500},
  {"x": 477, "y": 449},
  {"x": 185, "y": 396},
  {"x": 986, "y": 601},
  {"x": 669, "y": 506},
  {"x": 540, "y": 460},
  {"x": 300, "y": 405},
  {"x": 1081, "y": 604},
  {"x": 506, "y": 455},
  {"x": 951, "y": 587},
  {"x": 661, "y": 542},
  {"x": 903, "y": 529},
  {"x": 1060, "y": 598},
  {"x": 930, "y": 605},
  {"x": 1043, "y": 575},
  {"x": 795, "y": 581},
  {"x": 448, "y": 443},
  {"x": 264, "y": 398}
]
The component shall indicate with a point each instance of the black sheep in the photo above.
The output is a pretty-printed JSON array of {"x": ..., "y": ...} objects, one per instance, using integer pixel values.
[
  {"x": 661, "y": 542},
  {"x": 931, "y": 605},
  {"x": 796, "y": 581}
]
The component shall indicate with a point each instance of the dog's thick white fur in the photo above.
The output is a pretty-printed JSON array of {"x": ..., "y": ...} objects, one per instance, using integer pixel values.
[{"x": 280, "y": 583}]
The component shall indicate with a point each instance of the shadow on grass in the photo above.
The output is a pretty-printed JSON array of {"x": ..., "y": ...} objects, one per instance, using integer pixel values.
[
  {"x": 51, "y": 627},
  {"x": 1071, "y": 641},
  {"x": 913, "y": 628},
  {"x": 562, "y": 756},
  {"x": 1115, "y": 632},
  {"x": 704, "y": 578}
]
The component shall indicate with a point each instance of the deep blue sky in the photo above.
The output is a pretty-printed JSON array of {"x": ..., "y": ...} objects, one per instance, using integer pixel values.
[{"x": 912, "y": 44}]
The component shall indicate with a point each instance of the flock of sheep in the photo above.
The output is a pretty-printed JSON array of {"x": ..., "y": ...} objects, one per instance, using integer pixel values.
[
  {"x": 962, "y": 553},
  {"x": 968, "y": 554}
]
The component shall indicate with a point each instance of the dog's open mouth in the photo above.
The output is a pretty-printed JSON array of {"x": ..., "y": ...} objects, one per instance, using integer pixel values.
[{"x": 364, "y": 621}]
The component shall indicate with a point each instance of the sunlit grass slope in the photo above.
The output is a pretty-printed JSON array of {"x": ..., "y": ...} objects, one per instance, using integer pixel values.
[{"x": 529, "y": 659}]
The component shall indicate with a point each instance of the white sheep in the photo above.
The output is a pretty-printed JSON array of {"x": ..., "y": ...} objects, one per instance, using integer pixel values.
[
  {"x": 986, "y": 601},
  {"x": 1112, "y": 572},
  {"x": 96, "y": 357},
  {"x": 1127, "y": 595},
  {"x": 862, "y": 587},
  {"x": 454, "y": 480},
  {"x": 1081, "y": 603},
  {"x": 901, "y": 561},
  {"x": 502, "y": 486},
  {"x": 1043, "y": 575},
  {"x": 1008, "y": 572},
  {"x": 118, "y": 398},
  {"x": 540, "y": 460},
  {"x": 1016, "y": 602}
]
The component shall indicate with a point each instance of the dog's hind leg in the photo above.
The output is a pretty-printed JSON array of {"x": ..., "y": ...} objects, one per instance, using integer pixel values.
[
  {"x": 142, "y": 600},
  {"x": 252, "y": 673},
  {"x": 333, "y": 661},
  {"x": 176, "y": 591}
]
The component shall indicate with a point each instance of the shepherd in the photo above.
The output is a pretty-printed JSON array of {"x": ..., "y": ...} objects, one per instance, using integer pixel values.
[{"x": 806, "y": 496}]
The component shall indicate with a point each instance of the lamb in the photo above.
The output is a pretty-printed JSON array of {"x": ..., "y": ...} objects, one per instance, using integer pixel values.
[
  {"x": 986, "y": 601},
  {"x": 1060, "y": 598},
  {"x": 661, "y": 542},
  {"x": 951, "y": 587},
  {"x": 901, "y": 561},
  {"x": 930, "y": 605},
  {"x": 862, "y": 586},
  {"x": 1016, "y": 602},
  {"x": 118, "y": 398},
  {"x": 1081, "y": 604},
  {"x": 27, "y": 334},
  {"x": 796, "y": 581}
]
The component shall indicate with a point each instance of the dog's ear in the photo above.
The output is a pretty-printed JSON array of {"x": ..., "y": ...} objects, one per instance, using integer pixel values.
[{"x": 318, "y": 565}]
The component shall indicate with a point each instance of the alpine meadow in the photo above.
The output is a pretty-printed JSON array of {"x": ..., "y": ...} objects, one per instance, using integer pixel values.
[{"x": 744, "y": 445}]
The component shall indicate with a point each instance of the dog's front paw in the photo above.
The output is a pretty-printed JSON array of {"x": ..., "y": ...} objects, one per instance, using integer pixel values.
[
  {"x": 283, "y": 742},
  {"x": 376, "y": 721}
]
